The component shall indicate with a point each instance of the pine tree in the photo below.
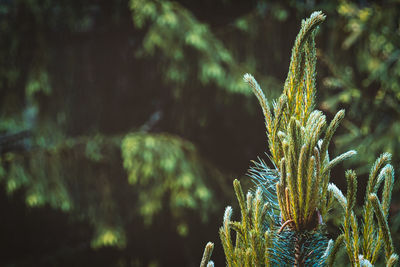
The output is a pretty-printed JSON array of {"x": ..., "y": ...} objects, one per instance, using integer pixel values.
[{"x": 283, "y": 221}]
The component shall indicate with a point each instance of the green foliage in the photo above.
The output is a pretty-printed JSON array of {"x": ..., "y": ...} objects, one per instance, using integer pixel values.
[
  {"x": 368, "y": 82},
  {"x": 372, "y": 241},
  {"x": 80, "y": 171},
  {"x": 176, "y": 35},
  {"x": 177, "y": 182},
  {"x": 374, "y": 233},
  {"x": 59, "y": 176},
  {"x": 252, "y": 241},
  {"x": 293, "y": 133},
  {"x": 205, "y": 261},
  {"x": 261, "y": 241},
  {"x": 294, "y": 235},
  {"x": 67, "y": 70}
]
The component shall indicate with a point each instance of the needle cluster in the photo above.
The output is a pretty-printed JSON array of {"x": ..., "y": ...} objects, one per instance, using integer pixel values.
[{"x": 282, "y": 223}]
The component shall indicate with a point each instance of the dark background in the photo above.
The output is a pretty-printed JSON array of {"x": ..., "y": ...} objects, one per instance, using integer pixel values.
[{"x": 124, "y": 123}]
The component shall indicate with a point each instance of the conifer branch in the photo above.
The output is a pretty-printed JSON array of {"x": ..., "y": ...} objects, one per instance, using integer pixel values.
[
  {"x": 261, "y": 98},
  {"x": 379, "y": 163},
  {"x": 339, "y": 159},
  {"x": 383, "y": 225},
  {"x": 330, "y": 131},
  {"x": 225, "y": 236},
  {"x": 267, "y": 238},
  {"x": 205, "y": 261},
  {"x": 309, "y": 77},
  {"x": 282, "y": 221},
  {"x": 243, "y": 209},
  {"x": 293, "y": 78},
  {"x": 371, "y": 244},
  {"x": 387, "y": 189}
]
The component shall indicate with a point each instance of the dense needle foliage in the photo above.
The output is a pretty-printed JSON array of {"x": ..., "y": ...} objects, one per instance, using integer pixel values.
[{"x": 289, "y": 230}]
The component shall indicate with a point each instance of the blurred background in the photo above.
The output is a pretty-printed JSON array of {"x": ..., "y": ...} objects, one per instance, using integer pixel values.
[{"x": 124, "y": 123}]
